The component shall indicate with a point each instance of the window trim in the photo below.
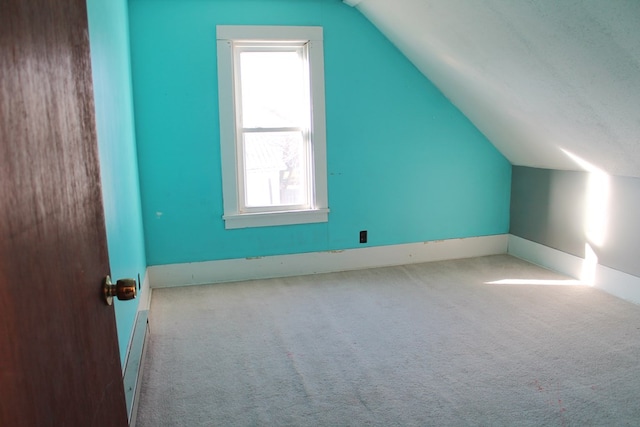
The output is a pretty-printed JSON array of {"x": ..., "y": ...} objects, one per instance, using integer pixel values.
[{"x": 319, "y": 210}]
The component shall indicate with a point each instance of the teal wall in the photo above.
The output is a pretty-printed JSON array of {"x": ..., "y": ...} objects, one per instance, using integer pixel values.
[
  {"x": 403, "y": 162},
  {"x": 110, "y": 62}
]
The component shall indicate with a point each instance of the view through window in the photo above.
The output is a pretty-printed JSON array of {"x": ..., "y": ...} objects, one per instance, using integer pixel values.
[{"x": 275, "y": 118}]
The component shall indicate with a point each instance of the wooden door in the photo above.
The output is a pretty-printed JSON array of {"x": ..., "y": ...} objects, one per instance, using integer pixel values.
[{"x": 59, "y": 362}]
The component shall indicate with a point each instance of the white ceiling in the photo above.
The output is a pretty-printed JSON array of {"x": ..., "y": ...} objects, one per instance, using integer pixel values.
[{"x": 549, "y": 82}]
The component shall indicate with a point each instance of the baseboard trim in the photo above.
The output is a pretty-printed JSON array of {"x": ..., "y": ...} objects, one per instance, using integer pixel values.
[
  {"x": 614, "y": 282},
  {"x": 545, "y": 256},
  {"x": 145, "y": 293},
  {"x": 133, "y": 363},
  {"x": 163, "y": 276}
]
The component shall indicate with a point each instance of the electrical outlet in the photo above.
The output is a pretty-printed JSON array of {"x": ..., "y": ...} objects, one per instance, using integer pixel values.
[{"x": 363, "y": 236}]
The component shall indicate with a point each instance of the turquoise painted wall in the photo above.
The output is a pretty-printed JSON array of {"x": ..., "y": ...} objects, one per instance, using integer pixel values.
[
  {"x": 110, "y": 62},
  {"x": 403, "y": 162}
]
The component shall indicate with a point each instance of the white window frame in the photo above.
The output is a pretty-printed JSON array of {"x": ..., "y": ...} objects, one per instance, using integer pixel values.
[{"x": 318, "y": 210}]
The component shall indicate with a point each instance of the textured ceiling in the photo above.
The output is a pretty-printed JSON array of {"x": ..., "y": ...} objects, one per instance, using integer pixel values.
[{"x": 549, "y": 82}]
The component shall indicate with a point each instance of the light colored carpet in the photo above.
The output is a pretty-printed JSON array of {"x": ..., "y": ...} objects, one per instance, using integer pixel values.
[{"x": 420, "y": 345}]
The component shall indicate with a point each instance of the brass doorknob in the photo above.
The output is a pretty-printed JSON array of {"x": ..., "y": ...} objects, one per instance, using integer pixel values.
[{"x": 124, "y": 289}]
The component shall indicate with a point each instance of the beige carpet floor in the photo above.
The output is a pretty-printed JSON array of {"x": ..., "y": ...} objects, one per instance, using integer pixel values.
[{"x": 433, "y": 344}]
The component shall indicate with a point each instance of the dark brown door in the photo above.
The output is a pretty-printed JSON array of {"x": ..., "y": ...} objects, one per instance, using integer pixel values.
[{"x": 59, "y": 362}]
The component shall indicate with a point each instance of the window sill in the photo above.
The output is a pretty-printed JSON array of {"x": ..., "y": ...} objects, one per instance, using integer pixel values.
[{"x": 268, "y": 219}]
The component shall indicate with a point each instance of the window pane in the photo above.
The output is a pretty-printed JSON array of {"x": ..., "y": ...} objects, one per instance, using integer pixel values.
[
  {"x": 276, "y": 169},
  {"x": 274, "y": 92}
]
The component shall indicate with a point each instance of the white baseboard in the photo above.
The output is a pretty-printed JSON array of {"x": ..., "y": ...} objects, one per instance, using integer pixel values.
[
  {"x": 145, "y": 293},
  {"x": 545, "y": 256},
  {"x": 133, "y": 364},
  {"x": 614, "y": 282},
  {"x": 144, "y": 303},
  {"x": 162, "y": 276}
]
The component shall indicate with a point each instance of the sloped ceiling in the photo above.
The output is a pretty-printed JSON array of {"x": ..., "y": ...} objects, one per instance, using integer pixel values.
[{"x": 552, "y": 83}]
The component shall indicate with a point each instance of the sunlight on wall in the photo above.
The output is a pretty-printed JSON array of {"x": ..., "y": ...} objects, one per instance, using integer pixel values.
[
  {"x": 589, "y": 265},
  {"x": 596, "y": 203},
  {"x": 596, "y": 215}
]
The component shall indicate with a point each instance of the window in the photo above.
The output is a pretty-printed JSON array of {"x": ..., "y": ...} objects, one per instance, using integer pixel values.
[{"x": 272, "y": 125}]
